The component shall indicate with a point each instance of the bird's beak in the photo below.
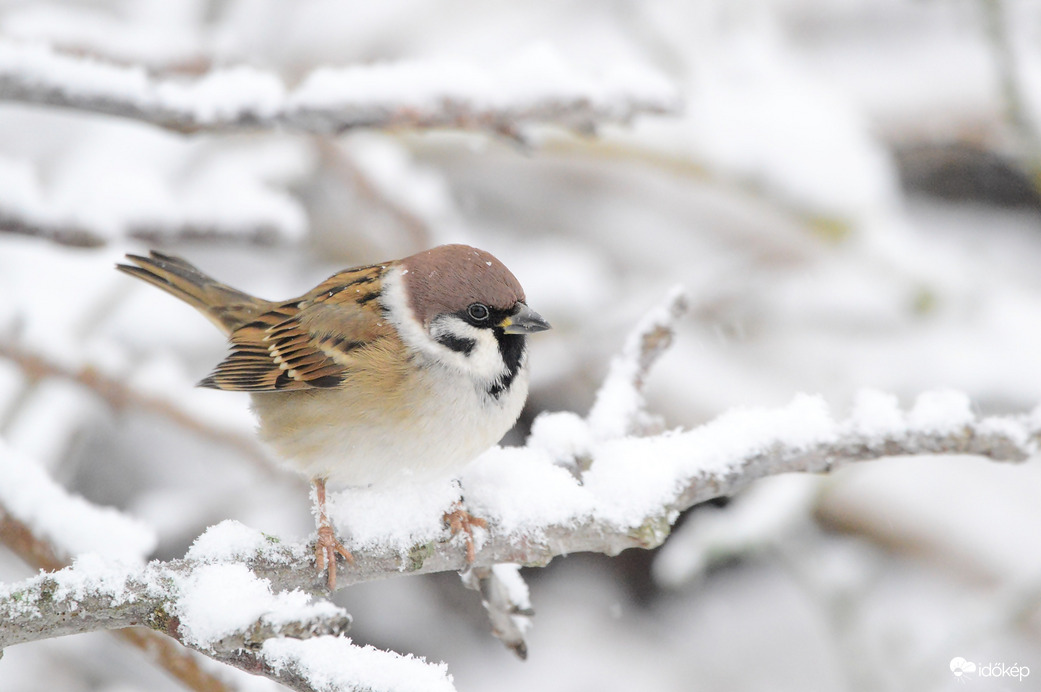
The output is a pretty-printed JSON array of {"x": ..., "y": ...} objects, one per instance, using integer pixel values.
[{"x": 524, "y": 320}]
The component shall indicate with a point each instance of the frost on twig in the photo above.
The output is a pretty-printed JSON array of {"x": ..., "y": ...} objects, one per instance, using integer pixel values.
[{"x": 536, "y": 87}]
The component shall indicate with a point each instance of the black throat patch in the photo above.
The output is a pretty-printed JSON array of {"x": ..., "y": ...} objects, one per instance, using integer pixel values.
[{"x": 511, "y": 348}]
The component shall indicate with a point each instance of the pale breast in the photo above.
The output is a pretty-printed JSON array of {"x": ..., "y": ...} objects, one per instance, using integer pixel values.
[{"x": 422, "y": 424}]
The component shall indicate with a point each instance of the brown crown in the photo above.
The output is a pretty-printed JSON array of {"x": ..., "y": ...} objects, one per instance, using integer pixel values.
[{"x": 448, "y": 278}]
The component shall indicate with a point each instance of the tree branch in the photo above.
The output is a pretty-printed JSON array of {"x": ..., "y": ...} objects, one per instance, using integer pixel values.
[
  {"x": 181, "y": 664},
  {"x": 76, "y": 236},
  {"x": 121, "y": 396},
  {"x": 416, "y": 95},
  {"x": 504, "y": 596},
  {"x": 770, "y": 450}
]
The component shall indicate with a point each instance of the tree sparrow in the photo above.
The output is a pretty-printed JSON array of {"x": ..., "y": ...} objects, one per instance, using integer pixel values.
[{"x": 392, "y": 372}]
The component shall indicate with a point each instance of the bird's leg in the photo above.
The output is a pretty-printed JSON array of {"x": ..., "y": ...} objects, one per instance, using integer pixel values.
[
  {"x": 327, "y": 547},
  {"x": 461, "y": 521}
]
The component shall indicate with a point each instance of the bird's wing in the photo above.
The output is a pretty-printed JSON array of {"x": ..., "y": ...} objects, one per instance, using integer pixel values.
[{"x": 312, "y": 342}]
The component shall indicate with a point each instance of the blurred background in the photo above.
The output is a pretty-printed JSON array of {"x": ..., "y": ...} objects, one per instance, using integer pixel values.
[{"x": 850, "y": 194}]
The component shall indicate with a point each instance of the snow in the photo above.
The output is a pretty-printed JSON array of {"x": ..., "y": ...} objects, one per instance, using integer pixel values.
[
  {"x": 229, "y": 541},
  {"x": 540, "y": 491},
  {"x": 631, "y": 479},
  {"x": 537, "y": 74},
  {"x": 225, "y": 95},
  {"x": 940, "y": 412},
  {"x": 876, "y": 415},
  {"x": 335, "y": 663},
  {"x": 619, "y": 403},
  {"x": 776, "y": 198},
  {"x": 216, "y": 601},
  {"x": 561, "y": 435},
  {"x": 28, "y": 432},
  {"x": 90, "y": 575},
  {"x": 400, "y": 517},
  {"x": 516, "y": 588},
  {"x": 68, "y": 522}
]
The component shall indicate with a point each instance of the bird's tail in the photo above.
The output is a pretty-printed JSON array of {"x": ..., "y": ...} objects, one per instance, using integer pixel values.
[{"x": 225, "y": 306}]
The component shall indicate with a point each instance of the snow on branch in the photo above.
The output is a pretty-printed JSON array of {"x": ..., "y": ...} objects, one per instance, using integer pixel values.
[
  {"x": 219, "y": 608},
  {"x": 230, "y": 196},
  {"x": 235, "y": 582},
  {"x": 245, "y": 598},
  {"x": 35, "y": 550},
  {"x": 535, "y": 87},
  {"x": 619, "y": 406}
]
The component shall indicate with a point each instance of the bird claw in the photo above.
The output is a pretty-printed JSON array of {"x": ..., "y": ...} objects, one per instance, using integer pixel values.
[
  {"x": 326, "y": 548},
  {"x": 460, "y": 521}
]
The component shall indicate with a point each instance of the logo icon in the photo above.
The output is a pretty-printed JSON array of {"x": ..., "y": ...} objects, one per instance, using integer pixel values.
[{"x": 960, "y": 667}]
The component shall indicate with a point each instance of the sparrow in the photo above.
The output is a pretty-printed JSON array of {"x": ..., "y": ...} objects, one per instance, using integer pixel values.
[{"x": 388, "y": 373}]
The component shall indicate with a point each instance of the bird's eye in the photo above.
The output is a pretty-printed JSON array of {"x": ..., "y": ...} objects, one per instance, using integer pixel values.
[{"x": 478, "y": 312}]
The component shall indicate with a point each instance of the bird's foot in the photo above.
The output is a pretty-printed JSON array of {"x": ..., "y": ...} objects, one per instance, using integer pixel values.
[
  {"x": 326, "y": 548},
  {"x": 458, "y": 520}
]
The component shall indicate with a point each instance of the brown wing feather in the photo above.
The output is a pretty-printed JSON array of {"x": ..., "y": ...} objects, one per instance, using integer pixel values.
[{"x": 311, "y": 342}]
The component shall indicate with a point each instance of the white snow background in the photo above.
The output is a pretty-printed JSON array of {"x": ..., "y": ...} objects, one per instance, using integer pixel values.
[{"x": 783, "y": 198}]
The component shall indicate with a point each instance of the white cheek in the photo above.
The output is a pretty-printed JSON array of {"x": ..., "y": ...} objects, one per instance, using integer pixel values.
[{"x": 484, "y": 362}]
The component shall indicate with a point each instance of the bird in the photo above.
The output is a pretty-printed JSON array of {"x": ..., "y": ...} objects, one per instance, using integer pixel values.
[{"x": 388, "y": 373}]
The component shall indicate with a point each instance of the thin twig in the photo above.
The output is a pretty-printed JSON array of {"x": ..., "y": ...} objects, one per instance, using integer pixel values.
[{"x": 121, "y": 396}]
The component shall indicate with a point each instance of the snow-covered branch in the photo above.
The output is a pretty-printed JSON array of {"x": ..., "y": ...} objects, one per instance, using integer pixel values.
[
  {"x": 634, "y": 489},
  {"x": 504, "y": 595},
  {"x": 536, "y": 87},
  {"x": 180, "y": 663},
  {"x": 579, "y": 484},
  {"x": 221, "y": 609}
]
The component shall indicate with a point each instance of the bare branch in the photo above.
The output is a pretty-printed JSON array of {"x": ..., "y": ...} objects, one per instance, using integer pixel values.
[
  {"x": 30, "y": 548},
  {"x": 418, "y": 95},
  {"x": 76, "y": 236}
]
